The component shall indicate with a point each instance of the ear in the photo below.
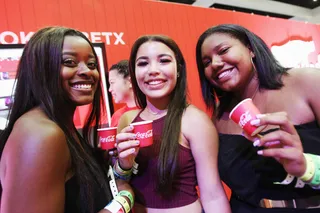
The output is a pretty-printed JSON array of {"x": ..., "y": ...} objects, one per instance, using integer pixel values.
[
  {"x": 129, "y": 81},
  {"x": 251, "y": 52}
]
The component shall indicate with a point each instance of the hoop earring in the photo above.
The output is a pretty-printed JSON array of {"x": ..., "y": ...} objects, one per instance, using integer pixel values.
[
  {"x": 253, "y": 65},
  {"x": 178, "y": 75}
]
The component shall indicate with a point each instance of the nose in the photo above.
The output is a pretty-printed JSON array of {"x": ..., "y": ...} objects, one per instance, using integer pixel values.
[
  {"x": 84, "y": 70},
  {"x": 153, "y": 68},
  {"x": 110, "y": 89},
  {"x": 216, "y": 63}
]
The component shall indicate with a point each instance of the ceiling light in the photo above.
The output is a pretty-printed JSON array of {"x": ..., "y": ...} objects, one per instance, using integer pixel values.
[{"x": 314, "y": 0}]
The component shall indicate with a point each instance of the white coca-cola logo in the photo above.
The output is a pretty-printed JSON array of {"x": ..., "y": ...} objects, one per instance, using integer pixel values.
[
  {"x": 110, "y": 138},
  {"x": 142, "y": 135},
  {"x": 244, "y": 118}
]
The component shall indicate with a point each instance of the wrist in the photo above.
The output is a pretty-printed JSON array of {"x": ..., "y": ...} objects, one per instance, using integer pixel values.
[
  {"x": 125, "y": 165},
  {"x": 120, "y": 173},
  {"x": 309, "y": 168}
]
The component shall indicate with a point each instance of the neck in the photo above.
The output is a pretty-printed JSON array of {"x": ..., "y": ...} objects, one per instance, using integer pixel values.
[
  {"x": 131, "y": 102},
  {"x": 250, "y": 90},
  {"x": 156, "y": 109}
]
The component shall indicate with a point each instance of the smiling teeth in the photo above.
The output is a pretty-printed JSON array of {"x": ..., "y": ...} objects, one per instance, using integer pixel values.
[
  {"x": 224, "y": 74},
  {"x": 154, "y": 82},
  {"x": 82, "y": 86}
]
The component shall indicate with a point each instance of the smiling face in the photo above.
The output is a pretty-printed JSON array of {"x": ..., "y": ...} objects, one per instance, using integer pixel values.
[
  {"x": 79, "y": 73},
  {"x": 227, "y": 62},
  {"x": 120, "y": 87},
  {"x": 156, "y": 70}
]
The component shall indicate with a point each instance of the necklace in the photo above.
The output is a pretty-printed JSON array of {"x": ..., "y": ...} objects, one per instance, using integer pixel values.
[
  {"x": 255, "y": 92},
  {"x": 158, "y": 111}
]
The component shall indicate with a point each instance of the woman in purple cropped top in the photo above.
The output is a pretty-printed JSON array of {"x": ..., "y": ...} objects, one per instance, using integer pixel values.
[{"x": 184, "y": 152}]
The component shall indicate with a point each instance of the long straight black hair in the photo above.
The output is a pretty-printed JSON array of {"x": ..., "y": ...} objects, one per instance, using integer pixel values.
[
  {"x": 268, "y": 68},
  {"x": 168, "y": 156},
  {"x": 39, "y": 85}
]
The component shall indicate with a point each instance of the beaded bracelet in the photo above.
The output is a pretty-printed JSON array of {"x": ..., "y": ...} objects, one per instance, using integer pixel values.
[
  {"x": 127, "y": 194},
  {"x": 122, "y": 177},
  {"x": 124, "y": 203},
  {"x": 310, "y": 168},
  {"x": 119, "y": 173}
]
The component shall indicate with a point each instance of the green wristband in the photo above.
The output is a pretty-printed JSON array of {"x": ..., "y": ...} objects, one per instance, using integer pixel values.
[
  {"x": 315, "y": 181},
  {"x": 128, "y": 195}
]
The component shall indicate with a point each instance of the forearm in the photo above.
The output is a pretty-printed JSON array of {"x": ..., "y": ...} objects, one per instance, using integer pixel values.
[{"x": 219, "y": 204}]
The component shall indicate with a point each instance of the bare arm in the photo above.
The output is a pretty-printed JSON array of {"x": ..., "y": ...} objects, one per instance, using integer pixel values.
[
  {"x": 36, "y": 159},
  {"x": 289, "y": 151},
  {"x": 203, "y": 139}
]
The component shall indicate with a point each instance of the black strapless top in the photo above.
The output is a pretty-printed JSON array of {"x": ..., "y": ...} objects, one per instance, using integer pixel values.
[
  {"x": 251, "y": 177},
  {"x": 72, "y": 190}
]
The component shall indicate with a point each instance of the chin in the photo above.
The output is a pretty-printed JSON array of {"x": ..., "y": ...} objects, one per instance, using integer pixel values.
[{"x": 84, "y": 101}]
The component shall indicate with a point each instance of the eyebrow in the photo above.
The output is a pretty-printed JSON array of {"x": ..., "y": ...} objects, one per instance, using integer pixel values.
[
  {"x": 216, "y": 48},
  {"x": 159, "y": 56},
  {"x": 76, "y": 54}
]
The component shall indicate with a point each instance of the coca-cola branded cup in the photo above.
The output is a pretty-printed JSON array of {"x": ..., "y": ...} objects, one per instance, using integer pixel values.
[
  {"x": 143, "y": 131},
  {"x": 107, "y": 137},
  {"x": 243, "y": 113}
]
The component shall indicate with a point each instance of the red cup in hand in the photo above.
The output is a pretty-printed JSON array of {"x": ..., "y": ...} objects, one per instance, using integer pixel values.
[
  {"x": 243, "y": 113},
  {"x": 143, "y": 131},
  {"x": 107, "y": 137}
]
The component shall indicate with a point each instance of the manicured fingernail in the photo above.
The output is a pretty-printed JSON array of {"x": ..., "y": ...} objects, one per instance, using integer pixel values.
[
  {"x": 111, "y": 153},
  {"x": 260, "y": 115},
  {"x": 271, "y": 143},
  {"x": 256, "y": 142},
  {"x": 260, "y": 152},
  {"x": 132, "y": 150},
  {"x": 131, "y": 127},
  {"x": 137, "y": 142},
  {"x": 255, "y": 122}
]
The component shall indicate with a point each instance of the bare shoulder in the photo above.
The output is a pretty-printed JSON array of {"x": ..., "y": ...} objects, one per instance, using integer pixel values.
[
  {"x": 195, "y": 120},
  {"x": 35, "y": 134},
  {"x": 194, "y": 114},
  {"x": 127, "y": 118},
  {"x": 303, "y": 76},
  {"x": 38, "y": 127}
]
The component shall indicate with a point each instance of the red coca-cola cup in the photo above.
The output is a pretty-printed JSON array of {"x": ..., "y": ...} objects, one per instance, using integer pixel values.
[
  {"x": 107, "y": 137},
  {"x": 243, "y": 114},
  {"x": 143, "y": 131}
]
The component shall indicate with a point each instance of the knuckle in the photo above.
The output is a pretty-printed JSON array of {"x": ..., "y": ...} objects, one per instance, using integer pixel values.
[{"x": 118, "y": 137}]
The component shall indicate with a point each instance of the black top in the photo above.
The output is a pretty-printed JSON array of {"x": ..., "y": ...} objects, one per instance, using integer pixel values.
[
  {"x": 251, "y": 177},
  {"x": 72, "y": 204}
]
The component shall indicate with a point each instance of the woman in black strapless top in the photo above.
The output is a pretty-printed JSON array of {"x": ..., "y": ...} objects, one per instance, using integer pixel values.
[{"x": 235, "y": 64}]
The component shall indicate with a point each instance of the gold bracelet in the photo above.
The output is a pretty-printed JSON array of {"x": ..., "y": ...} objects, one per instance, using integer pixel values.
[
  {"x": 310, "y": 169},
  {"x": 124, "y": 203}
]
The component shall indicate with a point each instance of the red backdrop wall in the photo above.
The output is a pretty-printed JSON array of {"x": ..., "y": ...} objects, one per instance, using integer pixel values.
[{"x": 120, "y": 22}]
